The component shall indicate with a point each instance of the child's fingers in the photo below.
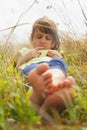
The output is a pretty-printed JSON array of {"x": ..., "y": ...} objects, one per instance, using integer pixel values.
[{"x": 39, "y": 48}]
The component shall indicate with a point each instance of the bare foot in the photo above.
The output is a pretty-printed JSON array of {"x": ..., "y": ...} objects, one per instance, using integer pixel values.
[
  {"x": 66, "y": 83},
  {"x": 38, "y": 80},
  {"x": 41, "y": 80}
]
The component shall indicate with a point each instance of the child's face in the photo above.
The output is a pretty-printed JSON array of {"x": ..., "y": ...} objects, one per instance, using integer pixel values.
[{"x": 42, "y": 40}]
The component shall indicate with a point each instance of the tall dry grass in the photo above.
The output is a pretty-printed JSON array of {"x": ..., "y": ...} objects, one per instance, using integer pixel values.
[{"x": 75, "y": 54}]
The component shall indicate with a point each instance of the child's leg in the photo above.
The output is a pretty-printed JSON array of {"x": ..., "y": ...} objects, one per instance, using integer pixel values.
[{"x": 59, "y": 99}]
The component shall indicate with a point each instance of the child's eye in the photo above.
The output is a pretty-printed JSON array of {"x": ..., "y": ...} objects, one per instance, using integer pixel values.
[
  {"x": 38, "y": 36},
  {"x": 48, "y": 38}
]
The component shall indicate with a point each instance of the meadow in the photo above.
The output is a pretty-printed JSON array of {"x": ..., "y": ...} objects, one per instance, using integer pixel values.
[{"x": 16, "y": 111}]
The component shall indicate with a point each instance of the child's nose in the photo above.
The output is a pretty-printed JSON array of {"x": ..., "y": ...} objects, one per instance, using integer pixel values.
[{"x": 43, "y": 40}]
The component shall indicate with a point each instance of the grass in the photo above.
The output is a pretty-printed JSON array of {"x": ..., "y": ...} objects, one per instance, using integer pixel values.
[{"x": 16, "y": 111}]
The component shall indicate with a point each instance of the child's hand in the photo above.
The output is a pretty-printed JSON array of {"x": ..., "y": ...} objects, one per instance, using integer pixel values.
[
  {"x": 53, "y": 54},
  {"x": 34, "y": 53}
]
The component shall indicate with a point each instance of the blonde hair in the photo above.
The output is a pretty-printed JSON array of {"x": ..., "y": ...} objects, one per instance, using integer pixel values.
[{"x": 47, "y": 26}]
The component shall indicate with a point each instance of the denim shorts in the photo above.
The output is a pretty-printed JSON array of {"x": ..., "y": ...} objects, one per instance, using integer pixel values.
[{"x": 53, "y": 63}]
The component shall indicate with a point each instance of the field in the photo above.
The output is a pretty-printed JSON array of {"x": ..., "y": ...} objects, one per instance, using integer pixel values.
[{"x": 16, "y": 111}]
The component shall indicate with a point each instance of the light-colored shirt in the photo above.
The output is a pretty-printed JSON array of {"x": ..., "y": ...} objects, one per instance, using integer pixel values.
[{"x": 41, "y": 58}]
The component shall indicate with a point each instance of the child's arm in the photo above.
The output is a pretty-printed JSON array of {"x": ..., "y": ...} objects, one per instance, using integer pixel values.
[
  {"x": 20, "y": 60},
  {"x": 24, "y": 58}
]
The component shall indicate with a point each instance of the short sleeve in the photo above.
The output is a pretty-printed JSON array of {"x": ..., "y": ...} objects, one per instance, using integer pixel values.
[{"x": 24, "y": 51}]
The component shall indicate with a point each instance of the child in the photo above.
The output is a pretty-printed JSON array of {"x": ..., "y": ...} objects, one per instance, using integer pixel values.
[{"x": 45, "y": 68}]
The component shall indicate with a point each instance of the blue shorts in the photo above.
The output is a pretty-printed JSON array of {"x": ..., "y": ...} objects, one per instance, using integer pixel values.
[{"x": 53, "y": 63}]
